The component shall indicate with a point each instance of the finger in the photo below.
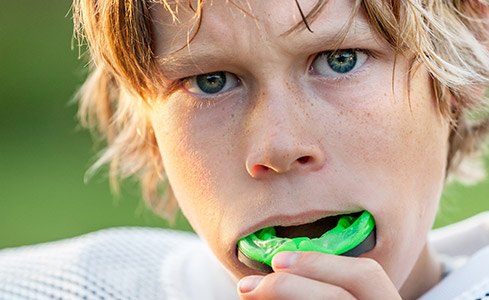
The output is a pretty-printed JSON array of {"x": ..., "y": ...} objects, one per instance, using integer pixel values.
[
  {"x": 285, "y": 286},
  {"x": 364, "y": 278}
]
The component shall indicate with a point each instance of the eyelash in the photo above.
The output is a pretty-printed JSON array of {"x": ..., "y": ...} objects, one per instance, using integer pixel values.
[
  {"x": 209, "y": 100},
  {"x": 202, "y": 101},
  {"x": 357, "y": 70}
]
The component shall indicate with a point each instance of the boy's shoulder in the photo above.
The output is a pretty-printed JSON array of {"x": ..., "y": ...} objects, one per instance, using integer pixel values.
[
  {"x": 118, "y": 263},
  {"x": 464, "y": 247},
  {"x": 471, "y": 281},
  {"x": 463, "y": 238}
]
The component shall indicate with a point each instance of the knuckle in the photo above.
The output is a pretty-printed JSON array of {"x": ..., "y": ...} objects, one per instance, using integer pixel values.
[
  {"x": 338, "y": 293},
  {"x": 369, "y": 264},
  {"x": 370, "y": 268}
]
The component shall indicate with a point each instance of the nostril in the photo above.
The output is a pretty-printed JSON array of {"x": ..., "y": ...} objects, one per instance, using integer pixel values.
[
  {"x": 283, "y": 164},
  {"x": 257, "y": 169},
  {"x": 304, "y": 159}
]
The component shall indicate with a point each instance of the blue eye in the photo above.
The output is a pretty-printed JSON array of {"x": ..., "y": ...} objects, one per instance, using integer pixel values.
[
  {"x": 334, "y": 63},
  {"x": 211, "y": 83}
]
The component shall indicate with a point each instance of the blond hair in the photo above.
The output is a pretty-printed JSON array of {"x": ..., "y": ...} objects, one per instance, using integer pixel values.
[{"x": 450, "y": 37}]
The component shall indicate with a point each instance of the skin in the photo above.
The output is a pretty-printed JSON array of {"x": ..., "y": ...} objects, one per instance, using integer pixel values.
[{"x": 288, "y": 145}]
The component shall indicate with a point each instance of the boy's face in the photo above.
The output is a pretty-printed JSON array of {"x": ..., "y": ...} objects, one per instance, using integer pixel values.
[{"x": 284, "y": 133}]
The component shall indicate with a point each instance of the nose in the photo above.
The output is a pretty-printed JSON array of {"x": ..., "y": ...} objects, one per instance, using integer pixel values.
[
  {"x": 283, "y": 138},
  {"x": 283, "y": 160}
]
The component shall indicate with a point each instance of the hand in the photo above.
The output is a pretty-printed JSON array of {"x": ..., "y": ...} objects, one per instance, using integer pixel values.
[{"x": 311, "y": 275}]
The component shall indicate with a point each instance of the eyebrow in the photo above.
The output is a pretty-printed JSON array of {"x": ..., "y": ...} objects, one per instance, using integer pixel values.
[
  {"x": 187, "y": 60},
  {"x": 357, "y": 31}
]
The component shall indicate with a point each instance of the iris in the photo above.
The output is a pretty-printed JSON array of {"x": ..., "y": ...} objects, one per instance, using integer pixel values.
[
  {"x": 211, "y": 83},
  {"x": 342, "y": 61}
]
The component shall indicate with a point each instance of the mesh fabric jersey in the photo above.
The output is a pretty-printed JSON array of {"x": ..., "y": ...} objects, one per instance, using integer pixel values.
[{"x": 120, "y": 263}]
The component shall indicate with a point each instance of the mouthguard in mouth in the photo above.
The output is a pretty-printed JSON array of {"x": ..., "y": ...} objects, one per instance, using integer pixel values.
[{"x": 353, "y": 235}]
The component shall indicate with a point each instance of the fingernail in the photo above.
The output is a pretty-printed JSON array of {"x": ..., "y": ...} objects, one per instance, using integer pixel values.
[
  {"x": 284, "y": 260},
  {"x": 247, "y": 284}
]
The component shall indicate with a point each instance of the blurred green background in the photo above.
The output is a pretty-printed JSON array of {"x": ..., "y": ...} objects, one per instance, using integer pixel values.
[{"x": 44, "y": 155}]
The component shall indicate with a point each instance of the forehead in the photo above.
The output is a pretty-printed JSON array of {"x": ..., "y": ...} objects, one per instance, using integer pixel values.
[{"x": 254, "y": 21}]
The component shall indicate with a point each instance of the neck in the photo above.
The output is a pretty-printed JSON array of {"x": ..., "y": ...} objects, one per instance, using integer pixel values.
[{"x": 425, "y": 274}]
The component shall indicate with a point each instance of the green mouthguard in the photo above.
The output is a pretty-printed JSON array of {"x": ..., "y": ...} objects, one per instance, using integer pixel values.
[{"x": 350, "y": 232}]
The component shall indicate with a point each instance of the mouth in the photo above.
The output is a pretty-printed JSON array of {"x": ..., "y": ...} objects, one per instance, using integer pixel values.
[
  {"x": 311, "y": 230},
  {"x": 348, "y": 235}
]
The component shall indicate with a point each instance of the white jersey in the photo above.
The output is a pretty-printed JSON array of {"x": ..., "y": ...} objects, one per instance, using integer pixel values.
[
  {"x": 119, "y": 263},
  {"x": 465, "y": 248},
  {"x": 148, "y": 263}
]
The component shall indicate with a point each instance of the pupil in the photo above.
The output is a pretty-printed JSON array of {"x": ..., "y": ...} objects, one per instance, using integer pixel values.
[
  {"x": 211, "y": 83},
  {"x": 342, "y": 61}
]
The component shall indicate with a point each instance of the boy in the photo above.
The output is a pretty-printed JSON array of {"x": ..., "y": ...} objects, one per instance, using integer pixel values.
[{"x": 285, "y": 114}]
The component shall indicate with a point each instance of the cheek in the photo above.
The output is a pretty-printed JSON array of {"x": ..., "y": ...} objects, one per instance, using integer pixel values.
[
  {"x": 194, "y": 164},
  {"x": 203, "y": 170},
  {"x": 400, "y": 150},
  {"x": 406, "y": 145},
  {"x": 181, "y": 161}
]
